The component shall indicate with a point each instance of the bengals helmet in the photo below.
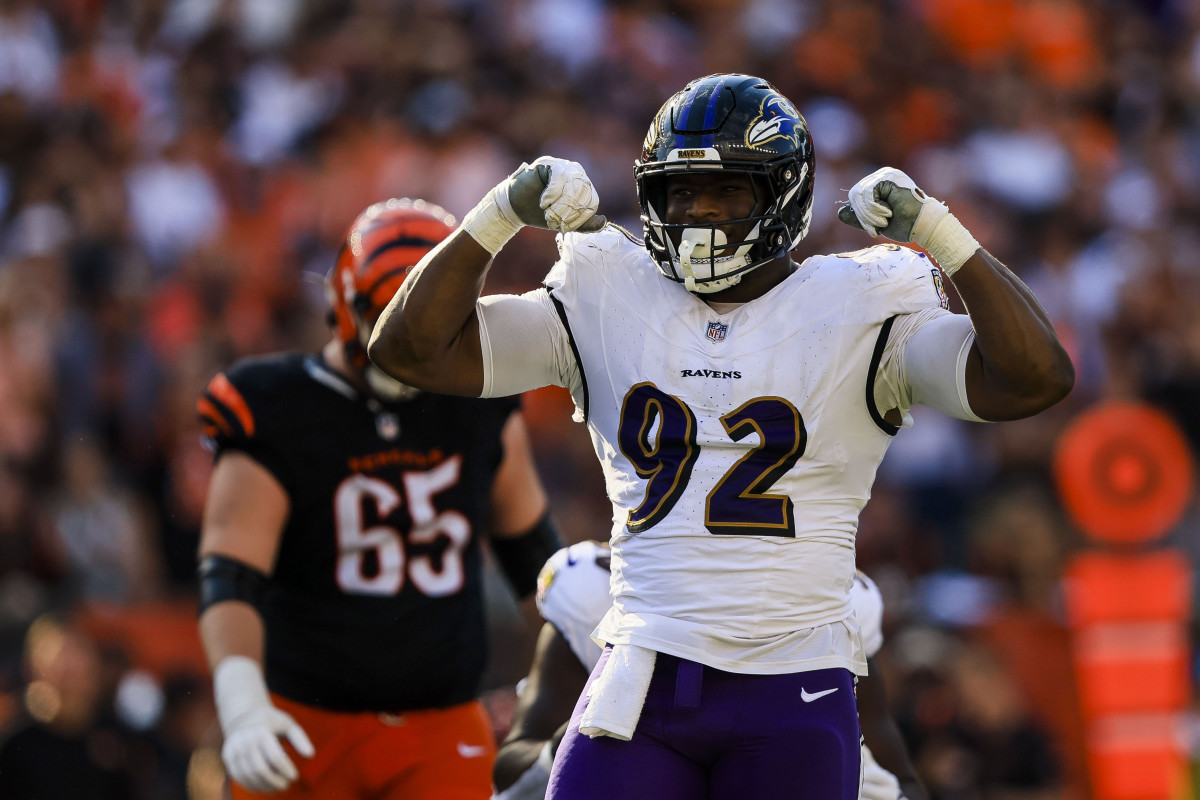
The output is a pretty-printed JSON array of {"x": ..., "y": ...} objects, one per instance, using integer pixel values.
[
  {"x": 382, "y": 245},
  {"x": 726, "y": 122}
]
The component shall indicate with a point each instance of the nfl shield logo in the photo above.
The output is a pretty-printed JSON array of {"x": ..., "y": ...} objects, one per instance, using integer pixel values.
[
  {"x": 387, "y": 425},
  {"x": 716, "y": 331}
]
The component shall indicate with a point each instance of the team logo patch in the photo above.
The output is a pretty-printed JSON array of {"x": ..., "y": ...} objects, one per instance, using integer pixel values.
[
  {"x": 387, "y": 426},
  {"x": 716, "y": 331},
  {"x": 545, "y": 580},
  {"x": 940, "y": 287},
  {"x": 777, "y": 119}
]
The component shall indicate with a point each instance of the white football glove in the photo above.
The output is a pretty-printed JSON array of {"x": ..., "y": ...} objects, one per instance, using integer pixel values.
[
  {"x": 878, "y": 783},
  {"x": 252, "y": 726},
  {"x": 888, "y": 202},
  {"x": 551, "y": 193}
]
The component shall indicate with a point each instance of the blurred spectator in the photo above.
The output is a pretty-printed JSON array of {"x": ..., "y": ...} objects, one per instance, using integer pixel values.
[
  {"x": 63, "y": 745},
  {"x": 101, "y": 529},
  {"x": 967, "y": 724},
  {"x": 29, "y": 56}
]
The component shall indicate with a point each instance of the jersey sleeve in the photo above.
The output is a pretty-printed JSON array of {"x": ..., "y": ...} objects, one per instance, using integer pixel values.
[
  {"x": 526, "y": 339},
  {"x": 915, "y": 297},
  {"x": 235, "y": 414},
  {"x": 867, "y": 602},
  {"x": 573, "y": 596},
  {"x": 524, "y": 344}
]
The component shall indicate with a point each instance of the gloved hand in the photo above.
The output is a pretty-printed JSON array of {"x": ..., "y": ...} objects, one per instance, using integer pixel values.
[
  {"x": 888, "y": 202},
  {"x": 556, "y": 195},
  {"x": 878, "y": 783},
  {"x": 253, "y": 754},
  {"x": 550, "y": 193}
]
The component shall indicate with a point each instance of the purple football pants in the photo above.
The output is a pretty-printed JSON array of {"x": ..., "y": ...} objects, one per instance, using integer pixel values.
[{"x": 705, "y": 734}]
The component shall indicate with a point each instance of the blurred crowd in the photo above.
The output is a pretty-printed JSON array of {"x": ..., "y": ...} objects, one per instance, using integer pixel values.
[{"x": 176, "y": 176}]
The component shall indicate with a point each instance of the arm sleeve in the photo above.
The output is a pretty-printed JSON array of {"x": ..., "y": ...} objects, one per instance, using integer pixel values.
[
  {"x": 525, "y": 345},
  {"x": 926, "y": 362}
]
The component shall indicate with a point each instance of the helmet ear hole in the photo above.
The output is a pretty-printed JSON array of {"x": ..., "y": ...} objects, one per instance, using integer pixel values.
[{"x": 361, "y": 304}]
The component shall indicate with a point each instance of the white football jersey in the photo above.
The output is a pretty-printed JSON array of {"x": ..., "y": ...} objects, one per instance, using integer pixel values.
[
  {"x": 573, "y": 597},
  {"x": 737, "y": 448}
]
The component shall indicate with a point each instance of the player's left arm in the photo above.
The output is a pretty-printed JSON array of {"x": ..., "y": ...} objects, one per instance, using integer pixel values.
[
  {"x": 543, "y": 711},
  {"x": 881, "y": 734},
  {"x": 523, "y": 536},
  {"x": 1016, "y": 366}
]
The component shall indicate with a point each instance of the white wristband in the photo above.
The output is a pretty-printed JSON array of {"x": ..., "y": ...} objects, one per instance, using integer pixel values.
[
  {"x": 239, "y": 689},
  {"x": 492, "y": 222},
  {"x": 940, "y": 232}
]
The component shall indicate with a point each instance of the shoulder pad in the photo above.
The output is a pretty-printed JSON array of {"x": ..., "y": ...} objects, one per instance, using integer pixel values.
[
  {"x": 572, "y": 595},
  {"x": 904, "y": 280},
  {"x": 579, "y": 251},
  {"x": 867, "y": 602},
  {"x": 235, "y": 402}
]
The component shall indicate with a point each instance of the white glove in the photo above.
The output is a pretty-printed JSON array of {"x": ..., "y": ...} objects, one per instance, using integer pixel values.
[
  {"x": 888, "y": 202},
  {"x": 878, "y": 783},
  {"x": 252, "y": 726},
  {"x": 550, "y": 193}
]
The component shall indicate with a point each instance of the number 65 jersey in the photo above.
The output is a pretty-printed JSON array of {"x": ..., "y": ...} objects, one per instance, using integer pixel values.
[
  {"x": 738, "y": 448},
  {"x": 376, "y": 599}
]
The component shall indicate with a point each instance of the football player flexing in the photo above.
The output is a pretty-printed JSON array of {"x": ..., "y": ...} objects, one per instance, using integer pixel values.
[
  {"x": 739, "y": 403},
  {"x": 341, "y": 598},
  {"x": 573, "y": 598}
]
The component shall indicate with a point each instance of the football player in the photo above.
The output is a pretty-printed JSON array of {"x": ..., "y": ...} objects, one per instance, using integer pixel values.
[
  {"x": 341, "y": 569},
  {"x": 740, "y": 403},
  {"x": 573, "y": 597}
]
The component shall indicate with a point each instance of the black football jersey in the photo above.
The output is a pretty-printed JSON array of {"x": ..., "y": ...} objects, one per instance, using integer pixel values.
[{"x": 376, "y": 601}]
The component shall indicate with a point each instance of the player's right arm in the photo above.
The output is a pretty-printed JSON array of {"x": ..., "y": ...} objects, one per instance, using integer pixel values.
[
  {"x": 244, "y": 517},
  {"x": 540, "y": 720},
  {"x": 429, "y": 334}
]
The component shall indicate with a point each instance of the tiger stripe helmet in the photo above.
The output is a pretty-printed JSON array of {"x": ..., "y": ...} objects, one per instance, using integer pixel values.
[{"x": 383, "y": 244}]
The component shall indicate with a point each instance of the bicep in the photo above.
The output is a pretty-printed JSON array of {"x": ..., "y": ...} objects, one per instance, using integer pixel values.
[
  {"x": 518, "y": 497},
  {"x": 245, "y": 512},
  {"x": 523, "y": 344}
]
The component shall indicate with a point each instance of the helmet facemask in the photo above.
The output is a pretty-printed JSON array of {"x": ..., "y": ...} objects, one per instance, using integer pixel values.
[{"x": 699, "y": 254}]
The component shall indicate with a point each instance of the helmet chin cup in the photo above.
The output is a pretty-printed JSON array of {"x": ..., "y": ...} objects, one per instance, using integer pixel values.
[
  {"x": 385, "y": 387},
  {"x": 697, "y": 247},
  {"x": 701, "y": 244}
]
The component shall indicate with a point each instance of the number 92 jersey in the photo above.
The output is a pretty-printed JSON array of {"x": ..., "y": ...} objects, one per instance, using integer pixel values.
[
  {"x": 375, "y": 602},
  {"x": 738, "y": 448}
]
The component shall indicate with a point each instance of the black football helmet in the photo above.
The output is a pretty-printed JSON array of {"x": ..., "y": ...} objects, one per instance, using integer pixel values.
[{"x": 726, "y": 122}]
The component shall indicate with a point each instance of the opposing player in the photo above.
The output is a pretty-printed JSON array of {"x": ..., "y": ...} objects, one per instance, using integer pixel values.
[
  {"x": 341, "y": 552},
  {"x": 573, "y": 598},
  {"x": 740, "y": 404}
]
